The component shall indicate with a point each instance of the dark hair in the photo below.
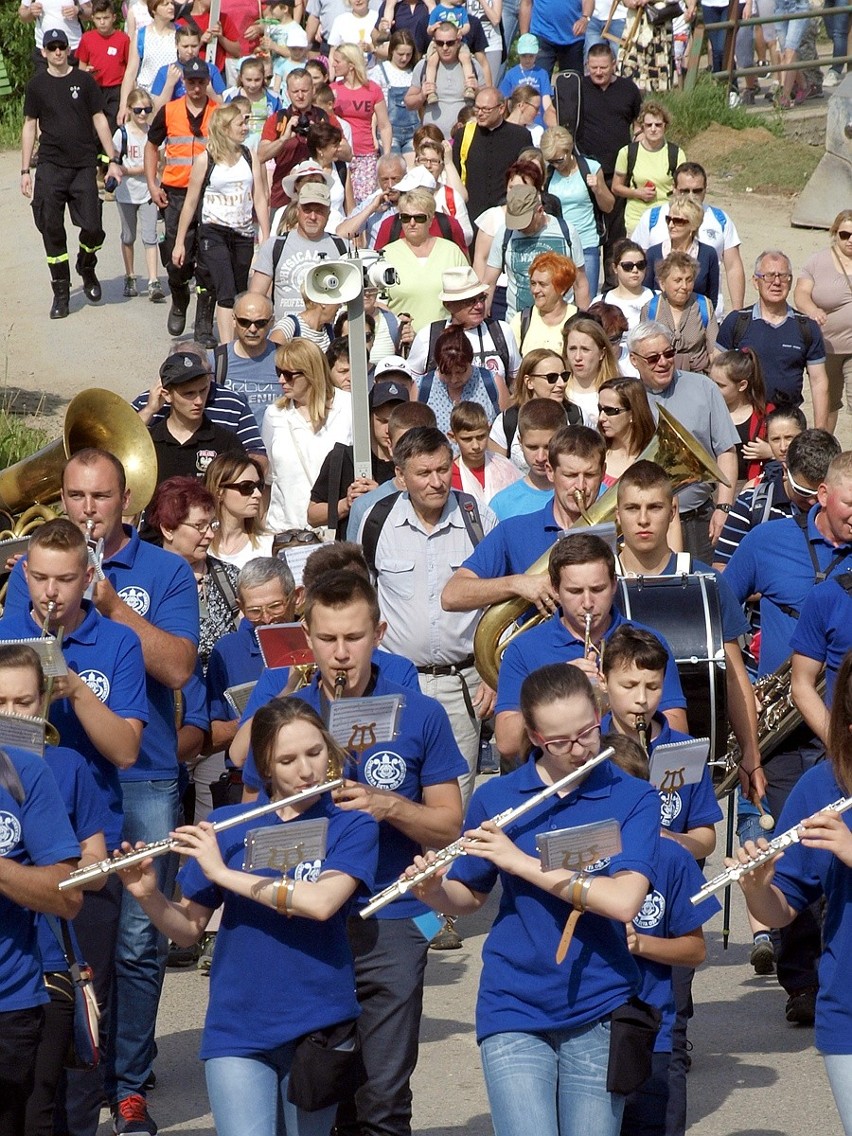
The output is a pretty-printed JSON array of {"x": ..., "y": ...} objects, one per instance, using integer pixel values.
[
  {"x": 811, "y": 453},
  {"x": 579, "y": 548},
  {"x": 407, "y": 415},
  {"x": 691, "y": 169},
  {"x": 633, "y": 645},
  {"x": 549, "y": 684},
  {"x": 530, "y": 171},
  {"x": 343, "y": 317},
  {"x": 173, "y": 499},
  {"x": 338, "y": 556},
  {"x": 645, "y": 475},
  {"x": 20, "y": 655},
  {"x": 623, "y": 246},
  {"x": 612, "y": 318},
  {"x": 102, "y": 6},
  {"x": 315, "y": 62},
  {"x": 787, "y": 413},
  {"x": 417, "y": 441},
  {"x": 467, "y": 415},
  {"x": 402, "y": 37},
  {"x": 9, "y": 779},
  {"x": 744, "y": 365},
  {"x": 249, "y": 62},
  {"x": 340, "y": 589},
  {"x": 600, "y": 48},
  {"x": 627, "y": 753},
  {"x": 427, "y": 130},
  {"x": 337, "y": 349},
  {"x": 541, "y": 414},
  {"x": 271, "y": 718},
  {"x": 633, "y": 397},
  {"x": 579, "y": 442},
  {"x": 90, "y": 456},
  {"x": 453, "y": 350},
  {"x": 182, "y": 31},
  {"x": 61, "y": 536},
  {"x": 321, "y": 134},
  {"x": 839, "y": 733}
]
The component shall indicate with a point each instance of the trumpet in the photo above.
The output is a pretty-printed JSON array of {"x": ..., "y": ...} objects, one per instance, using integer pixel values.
[
  {"x": 156, "y": 848},
  {"x": 48, "y": 686},
  {"x": 774, "y": 848},
  {"x": 457, "y": 848}
]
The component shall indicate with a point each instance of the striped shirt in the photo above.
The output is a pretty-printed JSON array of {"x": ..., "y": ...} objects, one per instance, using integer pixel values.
[{"x": 225, "y": 408}]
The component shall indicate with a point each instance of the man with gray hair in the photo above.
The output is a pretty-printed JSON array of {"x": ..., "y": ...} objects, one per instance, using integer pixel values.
[
  {"x": 695, "y": 401},
  {"x": 390, "y": 169},
  {"x": 787, "y": 342}
]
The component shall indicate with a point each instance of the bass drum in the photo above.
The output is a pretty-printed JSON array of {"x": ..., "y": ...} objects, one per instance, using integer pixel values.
[{"x": 685, "y": 610}]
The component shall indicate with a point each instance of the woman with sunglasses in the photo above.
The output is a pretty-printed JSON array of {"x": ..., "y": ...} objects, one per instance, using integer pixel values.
[
  {"x": 626, "y": 422},
  {"x": 824, "y": 292},
  {"x": 551, "y": 277},
  {"x": 132, "y": 198},
  {"x": 542, "y": 374},
  {"x": 591, "y": 360},
  {"x": 544, "y": 1026},
  {"x": 683, "y": 222},
  {"x": 630, "y": 294},
  {"x": 236, "y": 485},
  {"x": 300, "y": 429}
]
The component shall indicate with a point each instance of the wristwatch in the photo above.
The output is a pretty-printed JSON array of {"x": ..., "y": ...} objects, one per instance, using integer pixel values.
[{"x": 724, "y": 508}]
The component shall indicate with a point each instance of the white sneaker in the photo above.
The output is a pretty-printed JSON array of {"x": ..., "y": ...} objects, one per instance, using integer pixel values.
[
  {"x": 734, "y": 99},
  {"x": 832, "y": 78}
]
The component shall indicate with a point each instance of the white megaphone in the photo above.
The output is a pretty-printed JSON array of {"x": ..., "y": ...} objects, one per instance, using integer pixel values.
[{"x": 334, "y": 281}]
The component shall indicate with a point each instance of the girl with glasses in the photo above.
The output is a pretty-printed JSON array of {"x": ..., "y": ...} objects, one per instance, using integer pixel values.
[
  {"x": 683, "y": 222},
  {"x": 132, "y": 197},
  {"x": 630, "y": 294},
  {"x": 544, "y": 1026},
  {"x": 237, "y": 486},
  {"x": 626, "y": 422}
]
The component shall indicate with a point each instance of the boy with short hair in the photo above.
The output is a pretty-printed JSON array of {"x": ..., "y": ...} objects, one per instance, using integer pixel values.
[
  {"x": 477, "y": 470},
  {"x": 104, "y": 50},
  {"x": 538, "y": 420},
  {"x": 168, "y": 82},
  {"x": 527, "y": 74}
]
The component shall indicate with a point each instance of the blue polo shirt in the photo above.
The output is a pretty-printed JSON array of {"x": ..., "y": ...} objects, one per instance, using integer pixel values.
[
  {"x": 552, "y": 642},
  {"x": 804, "y": 875},
  {"x": 514, "y": 544},
  {"x": 37, "y": 833},
  {"x": 216, "y": 82},
  {"x": 159, "y": 586},
  {"x": 522, "y": 988},
  {"x": 667, "y": 914},
  {"x": 774, "y": 560},
  {"x": 235, "y": 659},
  {"x": 108, "y": 658},
  {"x": 734, "y": 622},
  {"x": 194, "y": 691},
  {"x": 423, "y": 753},
  {"x": 824, "y": 629},
  {"x": 781, "y": 351},
  {"x": 308, "y": 974},
  {"x": 87, "y": 811}
]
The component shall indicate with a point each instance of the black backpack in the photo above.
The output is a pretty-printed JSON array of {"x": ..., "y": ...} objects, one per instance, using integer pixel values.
[
  {"x": 492, "y": 326},
  {"x": 380, "y": 512},
  {"x": 744, "y": 316},
  {"x": 633, "y": 154},
  {"x": 583, "y": 167}
]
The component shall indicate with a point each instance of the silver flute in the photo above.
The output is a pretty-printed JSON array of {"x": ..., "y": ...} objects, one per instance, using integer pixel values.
[
  {"x": 160, "y": 847},
  {"x": 458, "y": 847},
  {"x": 785, "y": 840}
]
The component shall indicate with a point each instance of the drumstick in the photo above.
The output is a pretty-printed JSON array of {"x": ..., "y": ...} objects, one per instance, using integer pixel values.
[{"x": 767, "y": 820}]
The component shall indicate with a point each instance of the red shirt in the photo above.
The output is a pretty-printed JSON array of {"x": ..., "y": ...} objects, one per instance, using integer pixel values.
[
  {"x": 229, "y": 31},
  {"x": 243, "y": 13},
  {"x": 357, "y": 107},
  {"x": 107, "y": 55},
  {"x": 479, "y": 474},
  {"x": 295, "y": 150}
]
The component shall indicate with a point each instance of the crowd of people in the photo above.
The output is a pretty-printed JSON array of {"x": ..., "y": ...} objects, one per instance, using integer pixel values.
[{"x": 562, "y": 288}]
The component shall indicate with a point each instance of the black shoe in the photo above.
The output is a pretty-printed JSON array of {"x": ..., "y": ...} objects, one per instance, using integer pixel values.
[
  {"x": 762, "y": 956},
  {"x": 177, "y": 313},
  {"x": 183, "y": 956},
  {"x": 448, "y": 938},
  {"x": 205, "y": 308},
  {"x": 801, "y": 1007},
  {"x": 150, "y": 1082},
  {"x": 91, "y": 286},
  {"x": 59, "y": 307}
]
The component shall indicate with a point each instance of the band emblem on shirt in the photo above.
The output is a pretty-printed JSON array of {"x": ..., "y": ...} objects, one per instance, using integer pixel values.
[
  {"x": 203, "y": 458},
  {"x": 671, "y": 805},
  {"x": 10, "y": 832},
  {"x": 97, "y": 682},
  {"x": 385, "y": 770},
  {"x": 308, "y": 870},
  {"x": 136, "y": 598},
  {"x": 651, "y": 912}
]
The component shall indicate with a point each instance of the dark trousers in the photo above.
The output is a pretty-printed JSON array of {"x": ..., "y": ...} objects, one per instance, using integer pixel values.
[
  {"x": 615, "y": 231},
  {"x": 678, "y": 1065},
  {"x": 565, "y": 56},
  {"x": 696, "y": 532},
  {"x": 20, "y": 1031},
  {"x": 390, "y": 961},
  {"x": 224, "y": 260},
  {"x": 645, "y": 1109},
  {"x": 799, "y": 945},
  {"x": 55, "y": 188},
  {"x": 96, "y": 928},
  {"x": 178, "y": 277},
  {"x": 112, "y": 103},
  {"x": 52, "y": 1051}
]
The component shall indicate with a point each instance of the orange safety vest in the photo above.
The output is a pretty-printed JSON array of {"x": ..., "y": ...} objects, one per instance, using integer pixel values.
[{"x": 181, "y": 145}]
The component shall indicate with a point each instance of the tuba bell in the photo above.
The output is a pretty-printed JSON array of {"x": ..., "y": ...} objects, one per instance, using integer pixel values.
[
  {"x": 97, "y": 418},
  {"x": 685, "y": 461}
]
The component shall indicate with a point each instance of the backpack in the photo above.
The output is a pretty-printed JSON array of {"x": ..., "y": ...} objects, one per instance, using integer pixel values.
[
  {"x": 122, "y": 150},
  {"x": 761, "y": 502},
  {"x": 573, "y": 417},
  {"x": 702, "y": 302},
  {"x": 211, "y": 165},
  {"x": 584, "y": 170},
  {"x": 280, "y": 242},
  {"x": 507, "y": 236},
  {"x": 492, "y": 326},
  {"x": 380, "y": 512},
  {"x": 633, "y": 154},
  {"x": 655, "y": 211},
  {"x": 443, "y": 224},
  {"x": 464, "y": 148},
  {"x": 487, "y": 381},
  {"x": 744, "y": 319}
]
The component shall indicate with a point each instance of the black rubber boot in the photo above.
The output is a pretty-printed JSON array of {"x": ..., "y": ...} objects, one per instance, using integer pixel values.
[
  {"x": 205, "y": 307},
  {"x": 61, "y": 293},
  {"x": 177, "y": 313},
  {"x": 86, "y": 262}
]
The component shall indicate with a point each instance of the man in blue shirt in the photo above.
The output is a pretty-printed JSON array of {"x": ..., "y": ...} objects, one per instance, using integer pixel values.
[{"x": 560, "y": 28}]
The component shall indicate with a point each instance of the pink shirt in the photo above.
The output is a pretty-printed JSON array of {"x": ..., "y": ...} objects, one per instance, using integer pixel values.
[{"x": 356, "y": 106}]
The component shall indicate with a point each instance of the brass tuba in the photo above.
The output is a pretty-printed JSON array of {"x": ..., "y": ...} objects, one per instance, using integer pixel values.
[
  {"x": 682, "y": 457},
  {"x": 97, "y": 418}
]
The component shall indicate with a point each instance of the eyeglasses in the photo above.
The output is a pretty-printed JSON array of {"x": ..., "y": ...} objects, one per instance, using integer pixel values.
[
  {"x": 784, "y": 277},
  {"x": 142, "y": 110},
  {"x": 551, "y": 377},
  {"x": 804, "y": 490},
  {"x": 288, "y": 376},
  {"x": 475, "y": 301},
  {"x": 633, "y": 265},
  {"x": 203, "y": 527},
  {"x": 844, "y": 235},
  {"x": 445, "y": 42},
  {"x": 244, "y": 488},
  {"x": 417, "y": 218},
  {"x": 267, "y": 611},
  {"x": 561, "y": 747},
  {"x": 676, "y": 221},
  {"x": 655, "y": 356},
  {"x": 485, "y": 109},
  {"x": 612, "y": 411},
  {"x": 247, "y": 323}
]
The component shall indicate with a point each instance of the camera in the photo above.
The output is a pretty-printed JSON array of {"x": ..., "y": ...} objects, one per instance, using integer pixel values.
[{"x": 302, "y": 124}]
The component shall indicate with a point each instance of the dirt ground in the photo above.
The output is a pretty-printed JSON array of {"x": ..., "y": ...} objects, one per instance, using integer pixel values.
[{"x": 120, "y": 343}]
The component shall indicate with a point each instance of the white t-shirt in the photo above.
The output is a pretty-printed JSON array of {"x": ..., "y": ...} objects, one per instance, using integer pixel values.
[
  {"x": 51, "y": 17},
  {"x": 632, "y": 308},
  {"x": 132, "y": 190},
  {"x": 350, "y": 28},
  {"x": 263, "y": 547}
]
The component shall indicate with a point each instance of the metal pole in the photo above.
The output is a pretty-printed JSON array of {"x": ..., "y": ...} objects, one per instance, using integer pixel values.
[{"x": 362, "y": 447}]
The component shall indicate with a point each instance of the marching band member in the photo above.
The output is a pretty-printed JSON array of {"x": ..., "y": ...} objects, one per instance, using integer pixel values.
[
  {"x": 291, "y": 928},
  {"x": 544, "y": 1028}
]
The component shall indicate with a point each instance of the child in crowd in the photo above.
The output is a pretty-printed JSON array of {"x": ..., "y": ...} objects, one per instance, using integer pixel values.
[
  {"x": 168, "y": 82},
  {"x": 104, "y": 51},
  {"x": 355, "y": 26},
  {"x": 324, "y": 99},
  {"x": 253, "y": 86},
  {"x": 526, "y": 74},
  {"x": 285, "y": 41},
  {"x": 132, "y": 197},
  {"x": 477, "y": 470},
  {"x": 538, "y": 421},
  {"x": 318, "y": 71},
  {"x": 666, "y": 933},
  {"x": 452, "y": 12},
  {"x": 739, "y": 377}
]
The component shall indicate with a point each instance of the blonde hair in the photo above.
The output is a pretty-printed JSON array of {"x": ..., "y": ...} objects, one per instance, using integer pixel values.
[
  {"x": 556, "y": 138},
  {"x": 843, "y": 215},
  {"x": 302, "y": 355},
  {"x": 608, "y": 368},
  {"x": 419, "y": 200},
  {"x": 220, "y": 148},
  {"x": 139, "y": 97},
  {"x": 684, "y": 206},
  {"x": 353, "y": 54}
]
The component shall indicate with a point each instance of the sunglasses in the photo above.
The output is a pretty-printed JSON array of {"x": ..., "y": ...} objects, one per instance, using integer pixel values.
[
  {"x": 142, "y": 110},
  {"x": 678, "y": 221},
  {"x": 445, "y": 42},
  {"x": 654, "y": 358},
  {"x": 288, "y": 376},
  {"x": 804, "y": 490},
  {"x": 57, "y": 47},
  {"x": 551, "y": 377},
  {"x": 633, "y": 265},
  {"x": 417, "y": 218},
  {"x": 612, "y": 411},
  {"x": 844, "y": 234},
  {"x": 247, "y": 323},
  {"x": 244, "y": 488}
]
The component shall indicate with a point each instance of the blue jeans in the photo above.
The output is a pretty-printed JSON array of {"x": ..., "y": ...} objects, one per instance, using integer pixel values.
[
  {"x": 509, "y": 23},
  {"x": 244, "y": 1094},
  {"x": 837, "y": 28},
  {"x": 838, "y": 1066},
  {"x": 593, "y": 35},
  {"x": 552, "y": 1084},
  {"x": 565, "y": 56},
  {"x": 792, "y": 31},
  {"x": 150, "y": 813},
  {"x": 592, "y": 259}
]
